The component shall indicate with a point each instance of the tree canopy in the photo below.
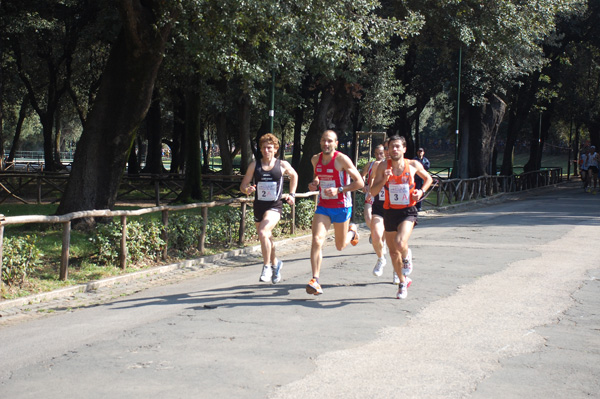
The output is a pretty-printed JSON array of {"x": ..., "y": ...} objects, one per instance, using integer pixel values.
[{"x": 205, "y": 68}]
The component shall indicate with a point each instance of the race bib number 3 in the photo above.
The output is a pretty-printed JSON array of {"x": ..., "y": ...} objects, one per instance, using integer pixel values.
[
  {"x": 266, "y": 190},
  {"x": 325, "y": 184},
  {"x": 399, "y": 194}
]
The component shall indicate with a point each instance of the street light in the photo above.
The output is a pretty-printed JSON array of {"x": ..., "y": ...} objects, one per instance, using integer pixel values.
[{"x": 455, "y": 166}]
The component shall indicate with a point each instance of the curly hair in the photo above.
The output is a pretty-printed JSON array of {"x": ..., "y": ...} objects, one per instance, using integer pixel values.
[{"x": 269, "y": 138}]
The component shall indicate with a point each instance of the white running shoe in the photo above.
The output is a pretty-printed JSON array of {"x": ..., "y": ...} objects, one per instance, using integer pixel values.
[
  {"x": 378, "y": 269},
  {"x": 267, "y": 273},
  {"x": 407, "y": 266},
  {"x": 403, "y": 289},
  {"x": 277, "y": 272},
  {"x": 396, "y": 278}
]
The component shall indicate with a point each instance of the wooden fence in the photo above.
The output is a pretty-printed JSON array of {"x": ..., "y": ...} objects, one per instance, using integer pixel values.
[
  {"x": 67, "y": 219},
  {"x": 450, "y": 191}
]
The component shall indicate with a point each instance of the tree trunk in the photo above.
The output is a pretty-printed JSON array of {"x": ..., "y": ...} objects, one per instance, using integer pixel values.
[
  {"x": 333, "y": 110},
  {"x": 153, "y": 129},
  {"x": 192, "y": 187},
  {"x": 540, "y": 126},
  {"x": 121, "y": 104},
  {"x": 522, "y": 100},
  {"x": 223, "y": 140},
  {"x": 16, "y": 143},
  {"x": 244, "y": 123},
  {"x": 177, "y": 150},
  {"x": 484, "y": 122},
  {"x": 57, "y": 138}
]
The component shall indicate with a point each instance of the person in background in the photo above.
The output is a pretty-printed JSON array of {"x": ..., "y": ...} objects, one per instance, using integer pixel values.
[
  {"x": 426, "y": 165},
  {"x": 268, "y": 202},
  {"x": 335, "y": 176}
]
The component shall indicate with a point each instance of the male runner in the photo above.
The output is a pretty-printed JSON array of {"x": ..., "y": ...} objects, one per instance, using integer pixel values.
[
  {"x": 333, "y": 172},
  {"x": 397, "y": 177},
  {"x": 268, "y": 176}
]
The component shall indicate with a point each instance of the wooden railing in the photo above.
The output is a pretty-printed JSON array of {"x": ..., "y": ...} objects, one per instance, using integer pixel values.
[
  {"x": 67, "y": 219},
  {"x": 451, "y": 191}
]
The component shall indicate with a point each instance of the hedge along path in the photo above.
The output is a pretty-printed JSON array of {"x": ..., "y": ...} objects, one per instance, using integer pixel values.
[{"x": 68, "y": 218}]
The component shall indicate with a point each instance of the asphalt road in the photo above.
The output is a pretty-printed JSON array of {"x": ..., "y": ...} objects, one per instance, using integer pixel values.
[{"x": 504, "y": 304}]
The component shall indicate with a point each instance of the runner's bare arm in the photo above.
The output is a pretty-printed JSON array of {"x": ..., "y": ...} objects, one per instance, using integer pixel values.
[
  {"x": 245, "y": 186},
  {"x": 314, "y": 185},
  {"x": 379, "y": 179},
  {"x": 345, "y": 163}
]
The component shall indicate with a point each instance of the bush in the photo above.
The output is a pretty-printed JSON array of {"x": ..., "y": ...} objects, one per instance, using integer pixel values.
[
  {"x": 20, "y": 255},
  {"x": 143, "y": 241},
  {"x": 183, "y": 231}
]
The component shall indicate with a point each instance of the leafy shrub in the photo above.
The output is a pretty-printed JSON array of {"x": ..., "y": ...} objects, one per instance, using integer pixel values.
[
  {"x": 183, "y": 231},
  {"x": 143, "y": 241},
  {"x": 224, "y": 226},
  {"x": 305, "y": 210},
  {"x": 19, "y": 256}
]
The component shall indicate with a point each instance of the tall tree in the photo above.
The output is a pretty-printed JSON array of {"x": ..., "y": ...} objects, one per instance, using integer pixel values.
[{"x": 121, "y": 104}]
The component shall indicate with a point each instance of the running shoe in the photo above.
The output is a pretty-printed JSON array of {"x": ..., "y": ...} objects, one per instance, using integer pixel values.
[
  {"x": 267, "y": 273},
  {"x": 313, "y": 287},
  {"x": 403, "y": 290},
  {"x": 407, "y": 265},
  {"x": 353, "y": 228},
  {"x": 396, "y": 278},
  {"x": 277, "y": 272},
  {"x": 378, "y": 269}
]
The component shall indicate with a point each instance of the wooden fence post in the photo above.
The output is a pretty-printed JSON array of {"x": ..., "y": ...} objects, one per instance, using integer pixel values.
[
  {"x": 66, "y": 243},
  {"x": 293, "y": 230},
  {"x": 39, "y": 189},
  {"x": 202, "y": 237},
  {"x": 242, "y": 224},
  {"x": 165, "y": 234},
  {"x": 157, "y": 190},
  {"x": 123, "y": 251}
]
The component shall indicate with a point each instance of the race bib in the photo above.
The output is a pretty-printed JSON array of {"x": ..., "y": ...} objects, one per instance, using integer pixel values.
[
  {"x": 399, "y": 194},
  {"x": 325, "y": 184},
  {"x": 382, "y": 194},
  {"x": 266, "y": 191}
]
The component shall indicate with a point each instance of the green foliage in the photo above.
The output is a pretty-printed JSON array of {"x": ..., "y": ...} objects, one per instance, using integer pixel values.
[
  {"x": 183, "y": 231},
  {"x": 20, "y": 255},
  {"x": 143, "y": 241}
]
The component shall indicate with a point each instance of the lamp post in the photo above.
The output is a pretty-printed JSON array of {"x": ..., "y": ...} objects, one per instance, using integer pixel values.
[
  {"x": 455, "y": 165},
  {"x": 272, "y": 108}
]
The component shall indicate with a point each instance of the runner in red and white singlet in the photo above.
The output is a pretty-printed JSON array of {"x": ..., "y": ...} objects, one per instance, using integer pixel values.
[{"x": 335, "y": 177}]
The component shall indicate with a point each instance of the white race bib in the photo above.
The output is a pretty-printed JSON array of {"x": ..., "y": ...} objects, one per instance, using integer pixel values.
[
  {"x": 382, "y": 194},
  {"x": 266, "y": 191},
  {"x": 325, "y": 184},
  {"x": 399, "y": 194}
]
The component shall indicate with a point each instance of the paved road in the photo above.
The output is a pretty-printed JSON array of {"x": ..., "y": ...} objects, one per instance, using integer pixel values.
[{"x": 504, "y": 304}]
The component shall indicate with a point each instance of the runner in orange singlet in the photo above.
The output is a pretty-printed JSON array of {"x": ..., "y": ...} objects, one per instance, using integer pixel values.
[{"x": 396, "y": 176}]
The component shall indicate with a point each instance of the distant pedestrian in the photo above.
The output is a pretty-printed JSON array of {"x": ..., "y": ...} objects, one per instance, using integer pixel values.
[
  {"x": 583, "y": 165},
  {"x": 592, "y": 176},
  {"x": 268, "y": 202},
  {"x": 396, "y": 177},
  {"x": 335, "y": 176},
  {"x": 426, "y": 165}
]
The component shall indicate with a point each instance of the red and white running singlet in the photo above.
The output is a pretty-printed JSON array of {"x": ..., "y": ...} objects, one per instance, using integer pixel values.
[
  {"x": 399, "y": 188},
  {"x": 329, "y": 176}
]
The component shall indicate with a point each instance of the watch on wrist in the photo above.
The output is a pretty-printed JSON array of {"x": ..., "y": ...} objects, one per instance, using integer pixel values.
[
  {"x": 340, "y": 190},
  {"x": 293, "y": 195}
]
